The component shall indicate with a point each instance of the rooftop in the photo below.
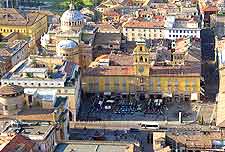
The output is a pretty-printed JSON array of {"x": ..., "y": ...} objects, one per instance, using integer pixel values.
[
  {"x": 107, "y": 38},
  {"x": 12, "y": 48},
  {"x": 36, "y": 114},
  {"x": 208, "y": 140},
  {"x": 15, "y": 142},
  {"x": 94, "y": 146},
  {"x": 14, "y": 17},
  {"x": 111, "y": 70},
  {"x": 32, "y": 130},
  {"x": 144, "y": 24},
  {"x": 39, "y": 68},
  {"x": 9, "y": 90}
]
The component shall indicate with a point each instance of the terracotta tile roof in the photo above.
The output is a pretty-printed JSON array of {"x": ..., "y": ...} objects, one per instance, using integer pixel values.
[
  {"x": 121, "y": 59},
  {"x": 107, "y": 38},
  {"x": 5, "y": 52},
  {"x": 186, "y": 70},
  {"x": 144, "y": 24},
  {"x": 10, "y": 90},
  {"x": 158, "y": 17},
  {"x": 18, "y": 142},
  {"x": 211, "y": 9},
  {"x": 199, "y": 141},
  {"x": 110, "y": 71},
  {"x": 110, "y": 13},
  {"x": 12, "y": 17}
]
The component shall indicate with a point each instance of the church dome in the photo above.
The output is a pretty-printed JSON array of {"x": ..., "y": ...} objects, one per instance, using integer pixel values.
[
  {"x": 67, "y": 44},
  {"x": 72, "y": 15}
]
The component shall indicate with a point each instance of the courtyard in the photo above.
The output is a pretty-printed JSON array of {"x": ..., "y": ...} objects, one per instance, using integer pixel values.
[{"x": 131, "y": 108}]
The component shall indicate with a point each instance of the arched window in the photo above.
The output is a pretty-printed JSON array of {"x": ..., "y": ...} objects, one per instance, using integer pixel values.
[
  {"x": 141, "y": 59},
  {"x": 146, "y": 60}
]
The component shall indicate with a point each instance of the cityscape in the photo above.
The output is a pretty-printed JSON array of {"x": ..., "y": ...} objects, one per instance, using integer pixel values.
[{"x": 112, "y": 75}]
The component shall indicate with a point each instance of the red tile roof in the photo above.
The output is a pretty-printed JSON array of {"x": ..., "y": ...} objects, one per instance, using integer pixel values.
[
  {"x": 18, "y": 142},
  {"x": 144, "y": 24},
  {"x": 110, "y": 70},
  {"x": 211, "y": 9}
]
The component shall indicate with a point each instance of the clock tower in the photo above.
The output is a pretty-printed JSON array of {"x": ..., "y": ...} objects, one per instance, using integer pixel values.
[{"x": 141, "y": 60}]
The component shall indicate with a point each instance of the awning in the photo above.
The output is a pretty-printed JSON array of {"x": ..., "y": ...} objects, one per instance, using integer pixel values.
[
  {"x": 107, "y": 93},
  {"x": 167, "y": 95},
  {"x": 30, "y": 91},
  {"x": 194, "y": 96}
]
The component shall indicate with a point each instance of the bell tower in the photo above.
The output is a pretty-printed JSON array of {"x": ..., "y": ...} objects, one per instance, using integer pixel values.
[{"x": 141, "y": 60}]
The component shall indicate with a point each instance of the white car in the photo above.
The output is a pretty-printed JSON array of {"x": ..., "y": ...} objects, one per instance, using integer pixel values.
[{"x": 108, "y": 107}]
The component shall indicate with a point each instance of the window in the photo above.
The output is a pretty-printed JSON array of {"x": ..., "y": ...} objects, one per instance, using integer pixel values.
[
  {"x": 141, "y": 80},
  {"x": 107, "y": 84},
  {"x": 141, "y": 48},
  {"x": 176, "y": 82},
  {"x": 158, "y": 82},
  {"x": 132, "y": 29},
  {"x": 180, "y": 31},
  {"x": 141, "y": 59},
  {"x": 169, "y": 35},
  {"x": 151, "y": 85},
  {"x": 146, "y": 60},
  {"x": 124, "y": 85}
]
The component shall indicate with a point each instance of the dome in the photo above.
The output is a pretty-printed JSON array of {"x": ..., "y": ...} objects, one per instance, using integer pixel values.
[
  {"x": 67, "y": 44},
  {"x": 72, "y": 15},
  {"x": 10, "y": 90}
]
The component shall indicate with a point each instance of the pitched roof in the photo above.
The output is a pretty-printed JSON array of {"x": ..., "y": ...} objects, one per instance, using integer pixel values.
[
  {"x": 144, "y": 24},
  {"x": 110, "y": 70},
  {"x": 16, "y": 143},
  {"x": 211, "y": 9},
  {"x": 14, "y": 17},
  {"x": 10, "y": 90},
  {"x": 107, "y": 38}
]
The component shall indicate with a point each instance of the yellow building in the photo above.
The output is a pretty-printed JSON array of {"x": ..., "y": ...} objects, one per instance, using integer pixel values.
[
  {"x": 140, "y": 73},
  {"x": 31, "y": 24}
]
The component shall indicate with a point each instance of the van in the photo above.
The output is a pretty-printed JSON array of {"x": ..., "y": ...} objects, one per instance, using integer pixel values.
[
  {"x": 153, "y": 126},
  {"x": 110, "y": 101}
]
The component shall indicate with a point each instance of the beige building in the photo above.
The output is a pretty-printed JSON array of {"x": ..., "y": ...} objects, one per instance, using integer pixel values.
[
  {"x": 50, "y": 73},
  {"x": 159, "y": 142},
  {"x": 102, "y": 146},
  {"x": 11, "y": 100},
  {"x": 70, "y": 39},
  {"x": 31, "y": 24},
  {"x": 139, "y": 30}
]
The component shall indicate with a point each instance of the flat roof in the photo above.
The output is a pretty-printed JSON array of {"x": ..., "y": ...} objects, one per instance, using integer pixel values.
[{"x": 93, "y": 146}]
